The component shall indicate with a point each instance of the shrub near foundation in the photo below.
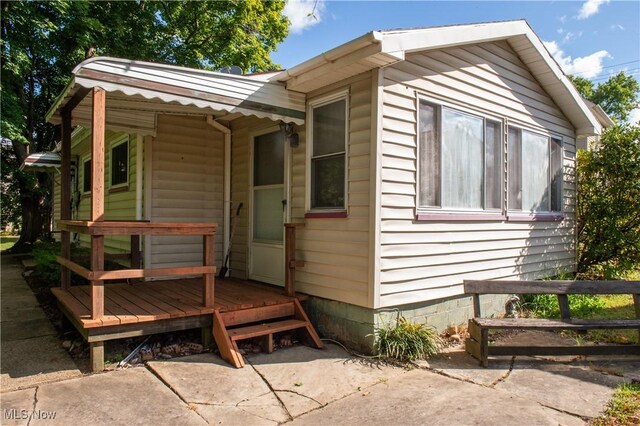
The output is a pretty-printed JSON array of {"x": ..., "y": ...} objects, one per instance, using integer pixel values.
[{"x": 406, "y": 341}]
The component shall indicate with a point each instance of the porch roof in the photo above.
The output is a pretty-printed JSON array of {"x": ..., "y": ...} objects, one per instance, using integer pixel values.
[{"x": 137, "y": 90}]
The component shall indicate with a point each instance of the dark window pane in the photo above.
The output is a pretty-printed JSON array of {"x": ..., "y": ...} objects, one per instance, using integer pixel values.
[
  {"x": 268, "y": 159},
  {"x": 556, "y": 175},
  {"x": 493, "y": 165},
  {"x": 86, "y": 176},
  {"x": 120, "y": 164},
  {"x": 514, "y": 169},
  {"x": 429, "y": 161},
  {"x": 329, "y": 128},
  {"x": 327, "y": 182}
]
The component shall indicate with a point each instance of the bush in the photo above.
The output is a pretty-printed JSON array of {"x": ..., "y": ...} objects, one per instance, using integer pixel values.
[
  {"x": 608, "y": 204},
  {"x": 44, "y": 254},
  {"x": 407, "y": 341},
  {"x": 48, "y": 270}
]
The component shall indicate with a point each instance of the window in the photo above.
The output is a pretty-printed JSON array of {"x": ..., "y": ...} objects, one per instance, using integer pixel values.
[
  {"x": 534, "y": 172},
  {"x": 328, "y": 154},
  {"x": 120, "y": 163},
  {"x": 460, "y": 160},
  {"x": 86, "y": 175}
]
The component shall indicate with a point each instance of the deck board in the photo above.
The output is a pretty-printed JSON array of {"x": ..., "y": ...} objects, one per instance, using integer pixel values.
[{"x": 150, "y": 301}]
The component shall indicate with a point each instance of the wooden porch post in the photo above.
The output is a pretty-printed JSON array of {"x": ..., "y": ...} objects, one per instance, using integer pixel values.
[
  {"x": 290, "y": 258},
  {"x": 97, "y": 197},
  {"x": 65, "y": 196},
  {"x": 97, "y": 155},
  {"x": 208, "y": 279}
]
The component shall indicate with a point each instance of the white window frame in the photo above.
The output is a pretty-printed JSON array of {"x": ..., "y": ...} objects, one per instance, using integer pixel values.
[
  {"x": 85, "y": 159},
  {"x": 443, "y": 212},
  {"x": 549, "y": 136},
  {"x": 114, "y": 144},
  {"x": 325, "y": 100}
]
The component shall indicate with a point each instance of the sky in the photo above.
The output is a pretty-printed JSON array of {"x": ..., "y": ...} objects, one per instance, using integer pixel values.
[{"x": 593, "y": 39}]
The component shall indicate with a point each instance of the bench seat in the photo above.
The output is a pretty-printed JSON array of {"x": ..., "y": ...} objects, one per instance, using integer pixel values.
[{"x": 551, "y": 324}]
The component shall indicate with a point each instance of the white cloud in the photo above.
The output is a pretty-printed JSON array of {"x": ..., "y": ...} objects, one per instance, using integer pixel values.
[
  {"x": 590, "y": 8},
  {"x": 570, "y": 36},
  {"x": 584, "y": 66},
  {"x": 616, "y": 27},
  {"x": 634, "y": 116},
  {"x": 563, "y": 19},
  {"x": 304, "y": 14}
]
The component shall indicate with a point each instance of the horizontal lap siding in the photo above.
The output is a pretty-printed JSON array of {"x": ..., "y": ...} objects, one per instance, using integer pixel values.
[
  {"x": 429, "y": 260},
  {"x": 336, "y": 251},
  {"x": 187, "y": 186},
  {"x": 120, "y": 205}
]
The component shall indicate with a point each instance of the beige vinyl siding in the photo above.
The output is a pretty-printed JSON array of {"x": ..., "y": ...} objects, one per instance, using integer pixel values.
[
  {"x": 426, "y": 260},
  {"x": 186, "y": 186},
  {"x": 120, "y": 205},
  {"x": 336, "y": 251}
]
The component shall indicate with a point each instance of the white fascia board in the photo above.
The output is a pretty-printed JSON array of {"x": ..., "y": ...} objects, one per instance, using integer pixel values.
[{"x": 441, "y": 37}]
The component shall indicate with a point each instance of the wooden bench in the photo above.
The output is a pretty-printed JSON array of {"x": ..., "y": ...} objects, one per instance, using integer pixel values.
[{"x": 478, "y": 342}]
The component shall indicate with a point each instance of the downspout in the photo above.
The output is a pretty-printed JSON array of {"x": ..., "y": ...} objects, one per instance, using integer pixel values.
[
  {"x": 139, "y": 175},
  {"x": 226, "y": 211}
]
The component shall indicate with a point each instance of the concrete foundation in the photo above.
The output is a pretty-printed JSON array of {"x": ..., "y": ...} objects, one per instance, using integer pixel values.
[{"x": 355, "y": 326}]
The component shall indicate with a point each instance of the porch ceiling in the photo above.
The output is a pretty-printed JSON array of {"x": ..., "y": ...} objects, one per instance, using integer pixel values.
[{"x": 137, "y": 91}]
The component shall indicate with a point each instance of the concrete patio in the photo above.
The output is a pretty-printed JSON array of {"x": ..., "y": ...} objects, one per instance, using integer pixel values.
[{"x": 308, "y": 386}]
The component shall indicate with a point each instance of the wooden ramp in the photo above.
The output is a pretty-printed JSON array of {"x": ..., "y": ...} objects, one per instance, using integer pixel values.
[{"x": 231, "y": 326}]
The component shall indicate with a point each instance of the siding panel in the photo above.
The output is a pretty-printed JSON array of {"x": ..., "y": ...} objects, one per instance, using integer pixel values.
[
  {"x": 187, "y": 186},
  {"x": 429, "y": 259}
]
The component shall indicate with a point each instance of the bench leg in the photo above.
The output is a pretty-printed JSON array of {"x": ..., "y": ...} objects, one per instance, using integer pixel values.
[
  {"x": 484, "y": 347},
  {"x": 97, "y": 356}
]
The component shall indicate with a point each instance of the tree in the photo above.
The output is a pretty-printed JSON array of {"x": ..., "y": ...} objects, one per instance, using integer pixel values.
[
  {"x": 41, "y": 42},
  {"x": 617, "y": 96},
  {"x": 609, "y": 201}
]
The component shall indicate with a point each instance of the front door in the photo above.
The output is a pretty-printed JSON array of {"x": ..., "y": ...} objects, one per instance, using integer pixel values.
[{"x": 268, "y": 208}]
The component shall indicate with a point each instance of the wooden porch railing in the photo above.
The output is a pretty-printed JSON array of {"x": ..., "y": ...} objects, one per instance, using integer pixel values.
[
  {"x": 97, "y": 275},
  {"x": 290, "y": 257}
]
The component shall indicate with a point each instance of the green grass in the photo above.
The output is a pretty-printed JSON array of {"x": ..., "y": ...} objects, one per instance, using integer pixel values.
[
  {"x": 7, "y": 241},
  {"x": 618, "y": 306},
  {"x": 623, "y": 409}
]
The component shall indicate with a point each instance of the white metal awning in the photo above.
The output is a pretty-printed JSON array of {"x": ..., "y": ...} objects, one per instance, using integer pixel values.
[
  {"x": 41, "y": 162},
  {"x": 137, "y": 91}
]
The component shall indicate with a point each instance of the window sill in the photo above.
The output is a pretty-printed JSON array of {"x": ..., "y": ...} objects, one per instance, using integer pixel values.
[
  {"x": 116, "y": 189},
  {"x": 460, "y": 216},
  {"x": 326, "y": 215},
  {"x": 535, "y": 217}
]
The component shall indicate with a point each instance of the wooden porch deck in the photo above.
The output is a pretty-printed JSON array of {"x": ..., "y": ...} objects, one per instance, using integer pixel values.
[{"x": 151, "y": 301}]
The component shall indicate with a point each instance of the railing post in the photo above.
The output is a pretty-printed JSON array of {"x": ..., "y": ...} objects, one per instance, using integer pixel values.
[
  {"x": 97, "y": 286},
  {"x": 135, "y": 251},
  {"x": 290, "y": 257},
  {"x": 208, "y": 284}
]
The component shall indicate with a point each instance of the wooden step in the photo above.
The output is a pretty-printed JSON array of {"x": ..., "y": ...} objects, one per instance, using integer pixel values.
[
  {"x": 265, "y": 329},
  {"x": 260, "y": 313}
]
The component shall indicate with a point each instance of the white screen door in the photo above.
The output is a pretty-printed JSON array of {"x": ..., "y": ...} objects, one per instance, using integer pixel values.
[{"x": 268, "y": 209}]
